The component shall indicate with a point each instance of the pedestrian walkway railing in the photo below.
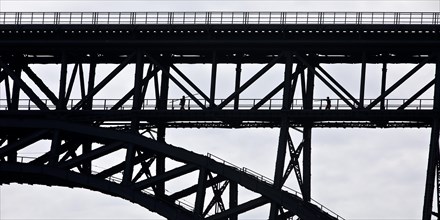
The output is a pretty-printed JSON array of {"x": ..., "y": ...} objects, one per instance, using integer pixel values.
[
  {"x": 220, "y": 18},
  {"x": 244, "y": 104},
  {"x": 269, "y": 181}
]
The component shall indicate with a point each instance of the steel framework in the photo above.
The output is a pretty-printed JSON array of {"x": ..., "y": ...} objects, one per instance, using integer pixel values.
[{"x": 77, "y": 126}]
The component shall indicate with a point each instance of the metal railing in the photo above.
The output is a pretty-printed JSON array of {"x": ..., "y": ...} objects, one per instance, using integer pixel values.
[
  {"x": 218, "y": 18},
  {"x": 244, "y": 104},
  {"x": 269, "y": 181}
]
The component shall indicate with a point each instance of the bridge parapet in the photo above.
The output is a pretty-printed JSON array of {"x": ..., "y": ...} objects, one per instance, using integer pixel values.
[{"x": 220, "y": 18}]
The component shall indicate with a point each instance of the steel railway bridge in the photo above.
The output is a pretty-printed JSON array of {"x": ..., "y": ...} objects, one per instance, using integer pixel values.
[{"x": 65, "y": 113}]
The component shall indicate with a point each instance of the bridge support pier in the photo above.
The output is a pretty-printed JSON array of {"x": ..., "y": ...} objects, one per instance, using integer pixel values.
[
  {"x": 430, "y": 175},
  {"x": 162, "y": 105},
  {"x": 233, "y": 198},
  {"x": 433, "y": 157},
  {"x": 307, "y": 137}
]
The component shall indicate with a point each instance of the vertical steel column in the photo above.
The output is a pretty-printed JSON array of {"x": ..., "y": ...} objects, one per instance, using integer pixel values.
[
  {"x": 287, "y": 100},
  {"x": 138, "y": 75},
  {"x": 233, "y": 198},
  {"x": 61, "y": 105},
  {"x": 430, "y": 173},
  {"x": 82, "y": 81},
  {"x": 160, "y": 160},
  {"x": 128, "y": 170},
  {"x": 87, "y": 146},
  {"x": 63, "y": 80},
  {"x": 91, "y": 83},
  {"x": 161, "y": 128},
  {"x": 307, "y": 137},
  {"x": 201, "y": 192},
  {"x": 433, "y": 149},
  {"x": 137, "y": 90},
  {"x": 14, "y": 102},
  {"x": 164, "y": 86},
  {"x": 362, "y": 86},
  {"x": 284, "y": 134},
  {"x": 299, "y": 69},
  {"x": 56, "y": 142},
  {"x": 137, "y": 102},
  {"x": 279, "y": 164},
  {"x": 237, "y": 85},
  {"x": 16, "y": 89},
  {"x": 213, "y": 79},
  {"x": 307, "y": 155},
  {"x": 383, "y": 86},
  {"x": 308, "y": 102},
  {"x": 438, "y": 185},
  {"x": 12, "y": 157},
  {"x": 8, "y": 93}
]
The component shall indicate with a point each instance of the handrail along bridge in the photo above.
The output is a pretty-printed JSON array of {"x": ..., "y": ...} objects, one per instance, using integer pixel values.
[{"x": 78, "y": 126}]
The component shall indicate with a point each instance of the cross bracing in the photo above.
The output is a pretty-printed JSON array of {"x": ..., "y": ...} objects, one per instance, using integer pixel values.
[{"x": 112, "y": 88}]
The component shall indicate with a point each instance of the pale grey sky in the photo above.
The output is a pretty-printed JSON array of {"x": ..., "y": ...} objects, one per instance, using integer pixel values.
[{"x": 358, "y": 173}]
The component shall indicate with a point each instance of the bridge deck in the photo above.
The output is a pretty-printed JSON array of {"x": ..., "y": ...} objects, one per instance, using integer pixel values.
[
  {"x": 417, "y": 114},
  {"x": 335, "y": 37}
]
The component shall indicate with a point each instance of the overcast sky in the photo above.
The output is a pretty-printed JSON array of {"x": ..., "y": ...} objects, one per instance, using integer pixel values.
[{"x": 358, "y": 173}]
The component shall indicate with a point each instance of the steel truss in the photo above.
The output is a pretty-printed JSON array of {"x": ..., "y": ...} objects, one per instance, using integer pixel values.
[{"x": 65, "y": 116}]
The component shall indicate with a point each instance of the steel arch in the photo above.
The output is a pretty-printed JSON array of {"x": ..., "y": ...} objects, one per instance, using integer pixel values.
[
  {"x": 133, "y": 191},
  {"x": 46, "y": 175}
]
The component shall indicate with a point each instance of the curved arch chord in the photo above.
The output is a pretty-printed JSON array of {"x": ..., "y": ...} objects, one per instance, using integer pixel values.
[
  {"x": 46, "y": 175},
  {"x": 146, "y": 148}
]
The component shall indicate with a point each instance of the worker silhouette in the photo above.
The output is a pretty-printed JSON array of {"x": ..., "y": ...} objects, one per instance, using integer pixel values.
[
  {"x": 329, "y": 104},
  {"x": 182, "y": 103}
]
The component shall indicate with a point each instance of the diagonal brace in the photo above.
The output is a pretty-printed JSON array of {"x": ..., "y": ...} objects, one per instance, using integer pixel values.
[
  {"x": 415, "y": 96},
  {"x": 176, "y": 81},
  {"x": 40, "y": 84},
  {"x": 193, "y": 189},
  {"x": 120, "y": 167},
  {"x": 217, "y": 197},
  {"x": 244, "y": 207},
  {"x": 94, "y": 154},
  {"x": 22, "y": 142},
  {"x": 145, "y": 169},
  {"x": 187, "y": 80},
  {"x": 104, "y": 82},
  {"x": 305, "y": 62},
  {"x": 165, "y": 176},
  {"x": 26, "y": 89},
  {"x": 398, "y": 83},
  {"x": 250, "y": 81}
]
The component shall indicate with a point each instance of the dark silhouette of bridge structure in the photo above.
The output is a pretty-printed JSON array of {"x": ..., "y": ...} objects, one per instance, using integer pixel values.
[{"x": 67, "y": 114}]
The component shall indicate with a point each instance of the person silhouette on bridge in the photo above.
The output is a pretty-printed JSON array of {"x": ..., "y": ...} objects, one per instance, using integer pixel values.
[
  {"x": 329, "y": 103},
  {"x": 182, "y": 103}
]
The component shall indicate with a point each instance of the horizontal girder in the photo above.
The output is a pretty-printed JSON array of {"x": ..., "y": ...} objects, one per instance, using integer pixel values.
[
  {"x": 194, "y": 43},
  {"x": 236, "y": 119}
]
